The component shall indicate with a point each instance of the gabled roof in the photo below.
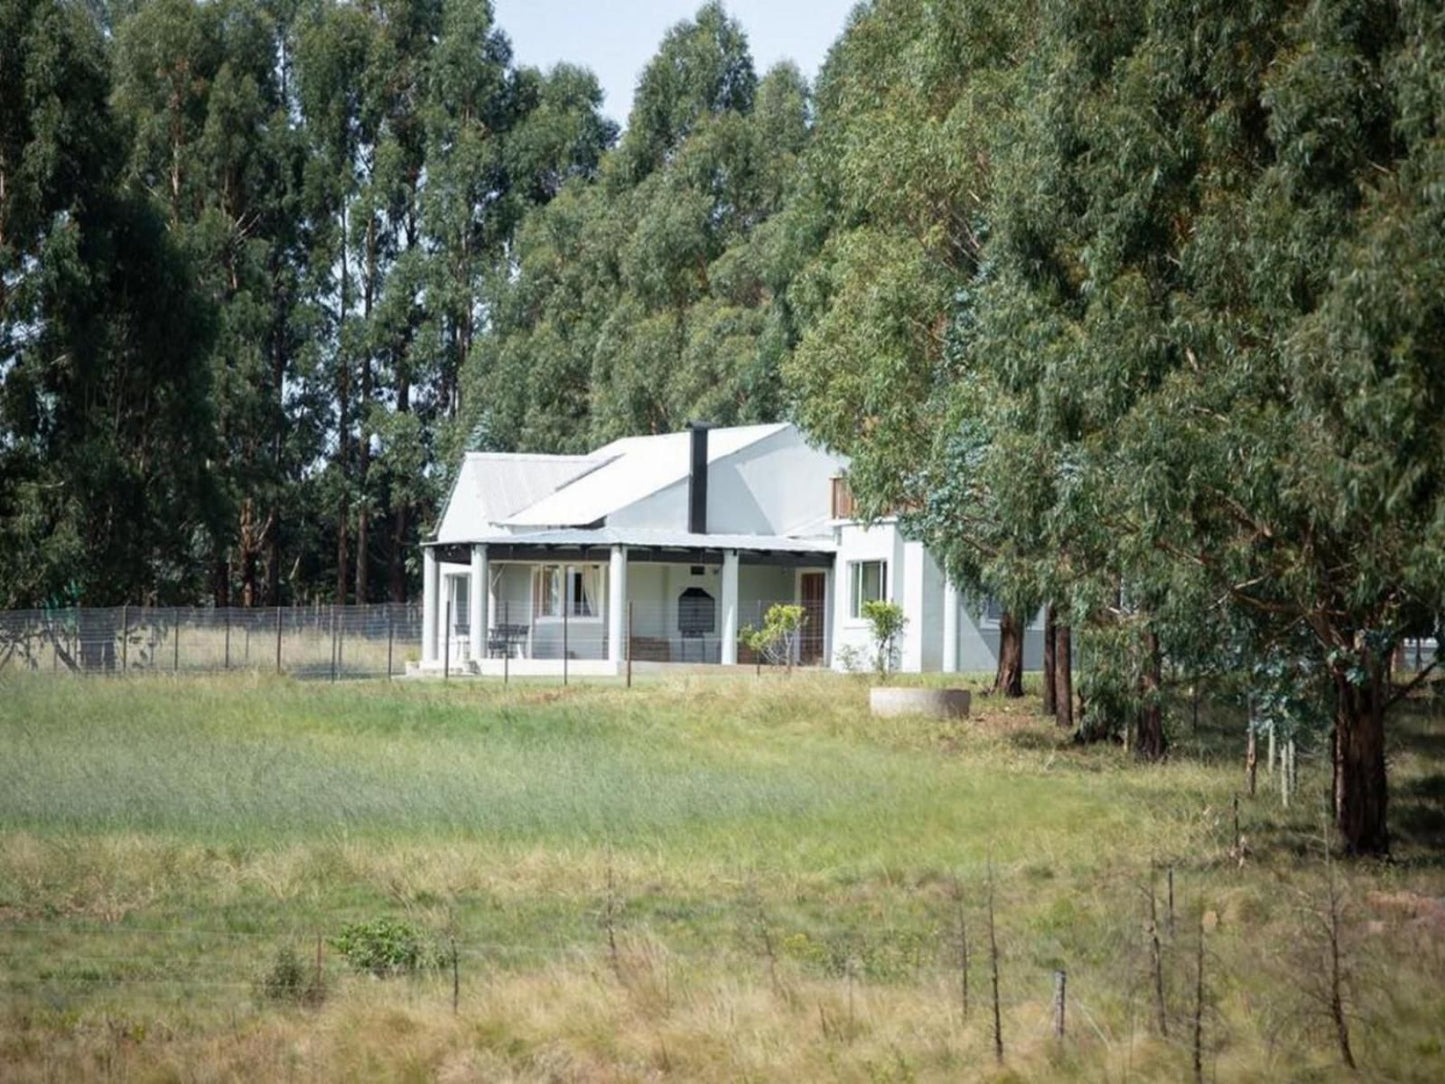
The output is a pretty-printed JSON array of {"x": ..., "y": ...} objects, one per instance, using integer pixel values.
[
  {"x": 494, "y": 485},
  {"x": 629, "y": 470}
]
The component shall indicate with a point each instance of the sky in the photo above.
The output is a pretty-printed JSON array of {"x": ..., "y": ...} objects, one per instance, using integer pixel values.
[{"x": 616, "y": 38}]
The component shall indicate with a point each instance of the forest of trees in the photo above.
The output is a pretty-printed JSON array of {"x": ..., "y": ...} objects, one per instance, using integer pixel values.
[{"x": 1136, "y": 311}]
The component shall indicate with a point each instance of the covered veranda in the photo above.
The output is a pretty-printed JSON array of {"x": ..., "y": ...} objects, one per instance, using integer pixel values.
[{"x": 591, "y": 600}]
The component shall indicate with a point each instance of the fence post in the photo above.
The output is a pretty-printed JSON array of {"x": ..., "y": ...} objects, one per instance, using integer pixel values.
[
  {"x": 447, "y": 643},
  {"x": 176, "y": 644},
  {"x": 565, "y": 607},
  {"x": 506, "y": 644},
  {"x": 226, "y": 616},
  {"x": 124, "y": 636},
  {"x": 341, "y": 640},
  {"x": 333, "y": 641},
  {"x": 278, "y": 641},
  {"x": 630, "y": 607},
  {"x": 1061, "y": 980},
  {"x": 390, "y": 637}
]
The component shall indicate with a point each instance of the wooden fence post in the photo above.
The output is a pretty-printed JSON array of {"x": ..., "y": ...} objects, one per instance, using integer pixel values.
[
  {"x": 176, "y": 644},
  {"x": 124, "y": 636},
  {"x": 390, "y": 639},
  {"x": 278, "y": 641},
  {"x": 333, "y": 641},
  {"x": 630, "y": 606},
  {"x": 226, "y": 616},
  {"x": 565, "y": 608},
  {"x": 1061, "y": 982}
]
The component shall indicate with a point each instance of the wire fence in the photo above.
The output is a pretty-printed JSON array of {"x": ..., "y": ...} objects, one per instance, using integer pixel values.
[
  {"x": 688, "y": 628},
  {"x": 316, "y": 642},
  {"x": 330, "y": 642},
  {"x": 1150, "y": 963}
]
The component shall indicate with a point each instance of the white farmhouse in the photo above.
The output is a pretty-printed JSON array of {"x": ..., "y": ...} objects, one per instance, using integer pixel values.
[{"x": 660, "y": 549}]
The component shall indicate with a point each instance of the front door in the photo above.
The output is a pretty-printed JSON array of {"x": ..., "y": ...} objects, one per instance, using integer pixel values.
[{"x": 812, "y": 592}]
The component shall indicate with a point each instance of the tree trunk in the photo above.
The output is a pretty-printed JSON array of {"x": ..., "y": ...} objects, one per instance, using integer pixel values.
[
  {"x": 1360, "y": 786},
  {"x": 361, "y": 539},
  {"x": 396, "y": 559},
  {"x": 343, "y": 423},
  {"x": 398, "y": 554},
  {"x": 1151, "y": 743},
  {"x": 363, "y": 449},
  {"x": 1050, "y": 631},
  {"x": 220, "y": 579},
  {"x": 1063, "y": 677},
  {"x": 1009, "y": 680}
]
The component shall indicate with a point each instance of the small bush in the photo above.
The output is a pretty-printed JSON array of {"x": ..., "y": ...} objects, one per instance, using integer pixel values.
[
  {"x": 885, "y": 626},
  {"x": 290, "y": 982},
  {"x": 778, "y": 639},
  {"x": 384, "y": 947}
]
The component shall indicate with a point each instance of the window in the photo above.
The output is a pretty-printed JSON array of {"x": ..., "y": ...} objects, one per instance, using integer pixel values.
[
  {"x": 869, "y": 582},
  {"x": 993, "y": 610},
  {"x": 461, "y": 608},
  {"x": 842, "y": 499},
  {"x": 575, "y": 588},
  {"x": 583, "y": 583}
]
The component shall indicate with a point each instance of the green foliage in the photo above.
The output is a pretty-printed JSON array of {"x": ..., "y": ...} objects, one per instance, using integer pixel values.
[
  {"x": 652, "y": 295},
  {"x": 1128, "y": 309},
  {"x": 778, "y": 638},
  {"x": 385, "y": 947},
  {"x": 243, "y": 247},
  {"x": 290, "y": 982},
  {"x": 885, "y": 626}
]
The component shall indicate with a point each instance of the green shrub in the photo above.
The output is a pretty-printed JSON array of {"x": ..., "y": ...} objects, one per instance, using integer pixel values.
[
  {"x": 384, "y": 947},
  {"x": 290, "y": 982},
  {"x": 778, "y": 639},
  {"x": 885, "y": 626}
]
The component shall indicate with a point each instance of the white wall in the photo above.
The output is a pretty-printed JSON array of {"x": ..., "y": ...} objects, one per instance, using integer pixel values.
[
  {"x": 881, "y": 542},
  {"x": 916, "y": 583},
  {"x": 775, "y": 486},
  {"x": 790, "y": 483}
]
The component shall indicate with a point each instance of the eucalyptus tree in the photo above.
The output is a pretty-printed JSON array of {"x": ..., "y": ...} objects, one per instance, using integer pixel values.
[
  {"x": 1219, "y": 298},
  {"x": 104, "y": 392},
  {"x": 200, "y": 90},
  {"x": 893, "y": 221},
  {"x": 653, "y": 293}
]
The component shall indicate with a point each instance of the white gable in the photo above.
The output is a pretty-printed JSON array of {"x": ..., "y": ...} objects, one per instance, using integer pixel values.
[{"x": 639, "y": 467}]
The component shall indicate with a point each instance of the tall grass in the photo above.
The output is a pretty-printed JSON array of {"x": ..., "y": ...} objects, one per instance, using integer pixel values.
[{"x": 160, "y": 838}]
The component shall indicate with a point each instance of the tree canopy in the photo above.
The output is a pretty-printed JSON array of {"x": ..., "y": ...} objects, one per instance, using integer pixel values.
[{"x": 1130, "y": 311}]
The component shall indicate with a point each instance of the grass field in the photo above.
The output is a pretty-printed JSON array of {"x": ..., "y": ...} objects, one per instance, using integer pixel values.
[{"x": 707, "y": 878}]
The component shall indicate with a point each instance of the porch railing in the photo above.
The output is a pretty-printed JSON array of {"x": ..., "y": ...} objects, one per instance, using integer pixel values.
[{"x": 652, "y": 632}]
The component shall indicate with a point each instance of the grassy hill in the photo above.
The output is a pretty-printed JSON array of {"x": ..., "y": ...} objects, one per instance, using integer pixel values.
[{"x": 709, "y": 878}]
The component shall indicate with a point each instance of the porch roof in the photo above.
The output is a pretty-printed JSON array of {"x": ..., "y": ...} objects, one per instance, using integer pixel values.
[{"x": 648, "y": 538}]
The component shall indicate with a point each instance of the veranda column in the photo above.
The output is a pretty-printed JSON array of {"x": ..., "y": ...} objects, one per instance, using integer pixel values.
[
  {"x": 477, "y": 602},
  {"x": 430, "y": 591},
  {"x": 730, "y": 608},
  {"x": 911, "y": 598},
  {"x": 950, "y": 627},
  {"x": 830, "y": 580},
  {"x": 617, "y": 605}
]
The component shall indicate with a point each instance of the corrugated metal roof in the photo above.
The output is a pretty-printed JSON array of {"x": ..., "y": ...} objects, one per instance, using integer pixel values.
[
  {"x": 494, "y": 485},
  {"x": 652, "y": 538},
  {"x": 638, "y": 468}
]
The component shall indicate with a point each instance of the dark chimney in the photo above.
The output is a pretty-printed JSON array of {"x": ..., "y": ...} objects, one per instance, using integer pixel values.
[{"x": 697, "y": 479}]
